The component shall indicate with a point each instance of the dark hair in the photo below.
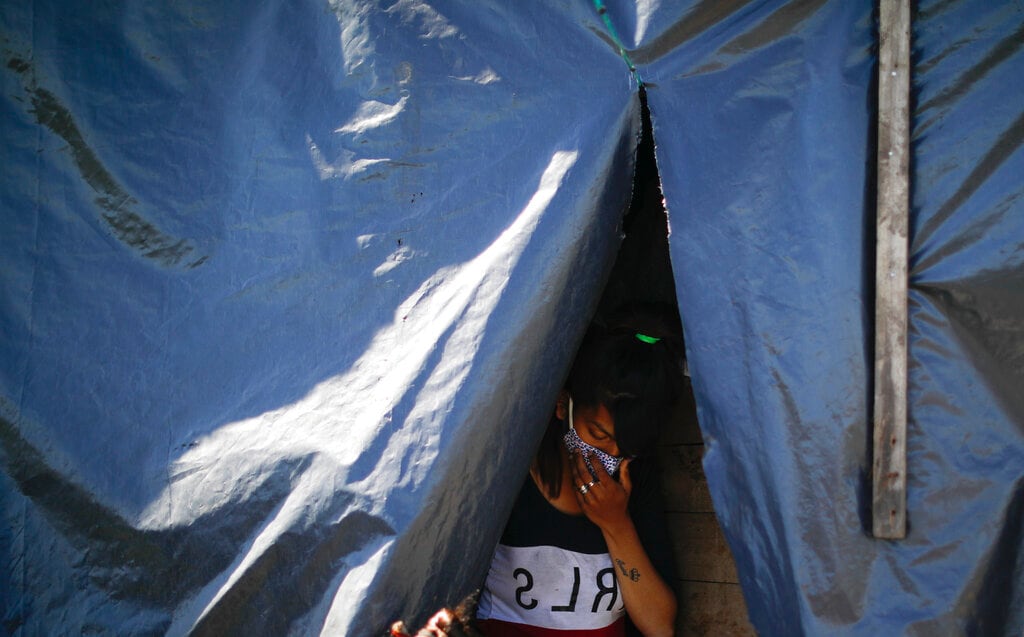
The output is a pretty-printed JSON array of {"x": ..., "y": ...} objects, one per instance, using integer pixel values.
[{"x": 637, "y": 380}]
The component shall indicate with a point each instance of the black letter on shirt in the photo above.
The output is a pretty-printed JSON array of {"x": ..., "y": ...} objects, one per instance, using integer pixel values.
[
  {"x": 571, "y": 607},
  {"x": 605, "y": 590},
  {"x": 522, "y": 589}
]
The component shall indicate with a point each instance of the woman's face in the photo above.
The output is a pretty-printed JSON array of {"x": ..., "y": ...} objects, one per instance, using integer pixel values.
[{"x": 596, "y": 427}]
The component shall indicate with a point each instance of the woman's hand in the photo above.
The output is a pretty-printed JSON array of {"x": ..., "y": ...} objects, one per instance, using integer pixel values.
[
  {"x": 444, "y": 623},
  {"x": 604, "y": 500},
  {"x": 649, "y": 601}
]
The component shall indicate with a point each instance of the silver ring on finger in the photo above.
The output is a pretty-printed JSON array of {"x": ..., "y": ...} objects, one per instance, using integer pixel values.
[{"x": 585, "y": 487}]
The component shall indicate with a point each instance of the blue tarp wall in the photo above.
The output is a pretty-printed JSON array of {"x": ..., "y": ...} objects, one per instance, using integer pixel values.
[{"x": 287, "y": 290}]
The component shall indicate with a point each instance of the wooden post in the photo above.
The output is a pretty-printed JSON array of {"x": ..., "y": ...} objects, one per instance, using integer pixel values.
[{"x": 889, "y": 486}]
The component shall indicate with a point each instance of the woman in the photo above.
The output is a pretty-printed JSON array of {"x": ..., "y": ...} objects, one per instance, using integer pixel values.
[
  {"x": 585, "y": 548},
  {"x": 581, "y": 547}
]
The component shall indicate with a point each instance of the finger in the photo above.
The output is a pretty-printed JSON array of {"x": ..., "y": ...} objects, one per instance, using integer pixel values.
[
  {"x": 589, "y": 472},
  {"x": 441, "y": 621},
  {"x": 600, "y": 473},
  {"x": 580, "y": 480},
  {"x": 577, "y": 482},
  {"x": 579, "y": 470},
  {"x": 398, "y": 629}
]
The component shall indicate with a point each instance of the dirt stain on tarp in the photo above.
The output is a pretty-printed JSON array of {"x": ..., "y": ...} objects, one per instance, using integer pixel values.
[{"x": 128, "y": 226}]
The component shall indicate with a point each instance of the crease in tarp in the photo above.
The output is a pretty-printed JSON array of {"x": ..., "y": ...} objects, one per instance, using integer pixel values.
[
  {"x": 461, "y": 553},
  {"x": 458, "y": 302}
]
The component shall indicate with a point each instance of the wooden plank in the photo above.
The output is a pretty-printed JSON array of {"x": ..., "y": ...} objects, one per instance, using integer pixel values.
[
  {"x": 701, "y": 551},
  {"x": 708, "y": 608},
  {"x": 684, "y": 486},
  {"x": 889, "y": 475}
]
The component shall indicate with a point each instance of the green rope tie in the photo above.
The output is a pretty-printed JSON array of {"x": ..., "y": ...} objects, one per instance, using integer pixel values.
[{"x": 603, "y": 12}]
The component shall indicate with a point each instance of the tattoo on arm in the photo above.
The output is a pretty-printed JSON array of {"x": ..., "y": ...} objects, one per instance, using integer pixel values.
[{"x": 632, "y": 573}]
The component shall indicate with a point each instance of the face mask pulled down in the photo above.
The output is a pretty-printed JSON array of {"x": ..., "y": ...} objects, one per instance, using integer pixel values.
[{"x": 575, "y": 444}]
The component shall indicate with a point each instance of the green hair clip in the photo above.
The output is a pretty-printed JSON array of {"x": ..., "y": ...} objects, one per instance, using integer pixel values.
[{"x": 650, "y": 340}]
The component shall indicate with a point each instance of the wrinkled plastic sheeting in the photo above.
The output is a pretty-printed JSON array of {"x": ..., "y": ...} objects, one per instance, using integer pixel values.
[
  {"x": 763, "y": 118},
  {"x": 287, "y": 290},
  {"x": 286, "y": 287}
]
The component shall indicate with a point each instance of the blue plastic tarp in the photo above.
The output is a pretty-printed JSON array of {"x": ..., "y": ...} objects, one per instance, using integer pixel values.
[
  {"x": 763, "y": 122},
  {"x": 287, "y": 289}
]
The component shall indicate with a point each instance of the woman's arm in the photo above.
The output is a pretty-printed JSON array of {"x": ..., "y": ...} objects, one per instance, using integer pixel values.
[{"x": 649, "y": 601}]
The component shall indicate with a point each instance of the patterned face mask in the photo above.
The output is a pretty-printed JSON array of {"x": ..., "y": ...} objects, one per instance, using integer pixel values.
[{"x": 575, "y": 444}]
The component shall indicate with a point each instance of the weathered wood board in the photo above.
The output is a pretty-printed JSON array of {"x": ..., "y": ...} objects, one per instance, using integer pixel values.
[{"x": 889, "y": 471}]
